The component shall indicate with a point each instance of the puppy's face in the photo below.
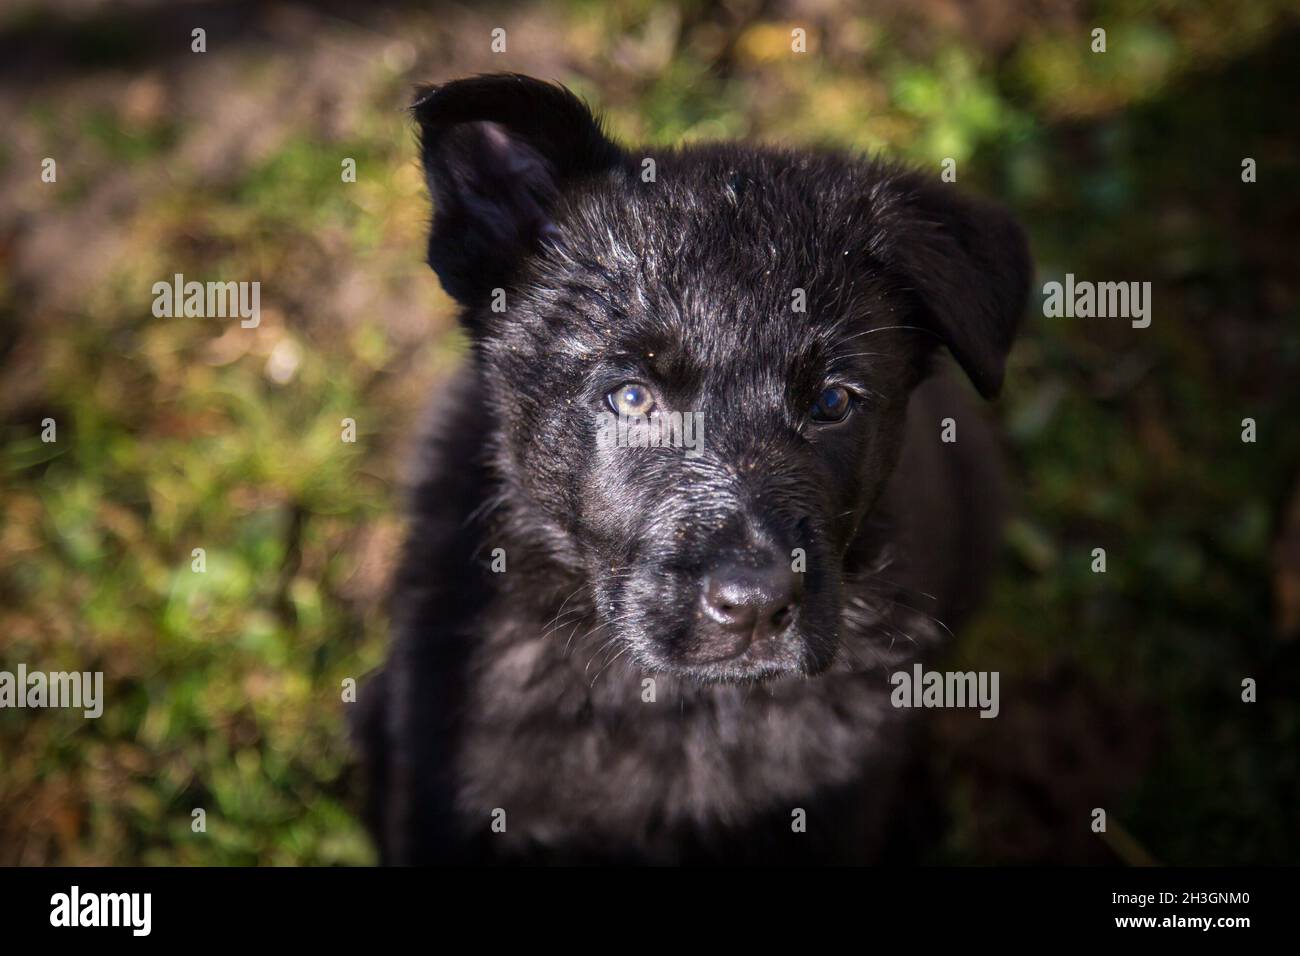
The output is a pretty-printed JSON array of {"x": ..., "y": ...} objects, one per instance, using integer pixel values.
[
  {"x": 760, "y": 379},
  {"x": 697, "y": 379}
]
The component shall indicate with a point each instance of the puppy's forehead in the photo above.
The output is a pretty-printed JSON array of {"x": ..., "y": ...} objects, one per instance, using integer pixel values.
[{"x": 726, "y": 258}]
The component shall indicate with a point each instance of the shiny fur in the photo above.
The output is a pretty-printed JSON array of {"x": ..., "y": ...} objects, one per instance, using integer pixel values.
[{"x": 523, "y": 695}]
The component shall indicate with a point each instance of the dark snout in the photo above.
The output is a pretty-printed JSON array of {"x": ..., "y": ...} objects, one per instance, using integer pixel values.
[{"x": 744, "y": 605}]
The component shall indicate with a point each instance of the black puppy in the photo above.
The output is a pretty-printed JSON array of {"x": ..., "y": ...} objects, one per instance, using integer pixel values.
[{"x": 674, "y": 654}]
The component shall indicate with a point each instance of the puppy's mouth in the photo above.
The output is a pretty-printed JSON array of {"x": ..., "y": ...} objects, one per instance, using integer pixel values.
[{"x": 735, "y": 661}]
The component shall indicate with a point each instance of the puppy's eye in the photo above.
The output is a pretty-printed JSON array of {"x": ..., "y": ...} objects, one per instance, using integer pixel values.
[
  {"x": 631, "y": 398},
  {"x": 832, "y": 404}
]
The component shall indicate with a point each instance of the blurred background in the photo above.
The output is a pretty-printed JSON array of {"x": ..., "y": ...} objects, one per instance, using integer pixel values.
[{"x": 1119, "y": 690}]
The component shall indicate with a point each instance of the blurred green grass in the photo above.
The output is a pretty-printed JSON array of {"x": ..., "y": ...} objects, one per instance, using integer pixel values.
[{"x": 182, "y": 434}]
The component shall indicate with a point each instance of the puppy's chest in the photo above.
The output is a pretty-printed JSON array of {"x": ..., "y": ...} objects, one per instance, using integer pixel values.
[{"x": 570, "y": 735}]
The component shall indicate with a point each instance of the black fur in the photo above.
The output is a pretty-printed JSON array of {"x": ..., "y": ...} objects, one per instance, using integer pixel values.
[{"x": 523, "y": 691}]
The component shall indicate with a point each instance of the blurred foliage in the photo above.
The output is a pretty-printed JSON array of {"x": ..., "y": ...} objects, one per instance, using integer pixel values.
[{"x": 1120, "y": 690}]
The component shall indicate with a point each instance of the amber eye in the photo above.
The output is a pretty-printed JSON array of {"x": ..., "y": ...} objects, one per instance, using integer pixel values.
[
  {"x": 832, "y": 404},
  {"x": 630, "y": 399}
]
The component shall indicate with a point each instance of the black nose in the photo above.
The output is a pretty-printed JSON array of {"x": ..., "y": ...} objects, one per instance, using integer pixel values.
[{"x": 753, "y": 601}]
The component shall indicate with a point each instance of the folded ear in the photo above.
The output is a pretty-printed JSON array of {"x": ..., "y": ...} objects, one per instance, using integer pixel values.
[
  {"x": 966, "y": 261},
  {"x": 497, "y": 152}
]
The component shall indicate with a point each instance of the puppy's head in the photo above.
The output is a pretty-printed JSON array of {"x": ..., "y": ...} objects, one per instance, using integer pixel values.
[{"x": 696, "y": 363}]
